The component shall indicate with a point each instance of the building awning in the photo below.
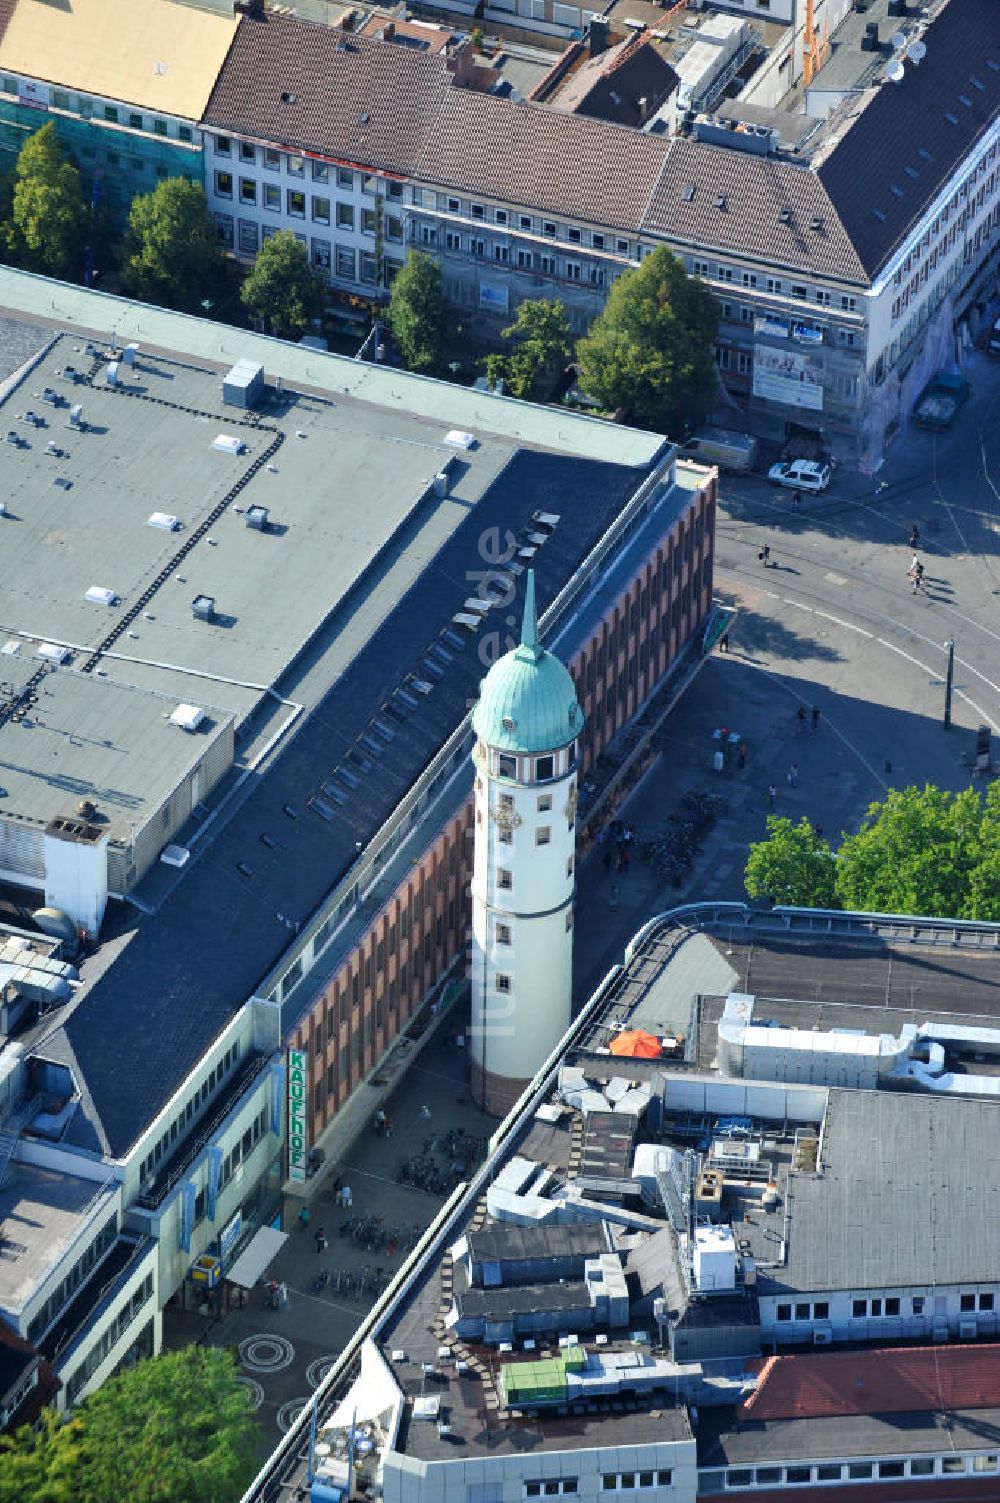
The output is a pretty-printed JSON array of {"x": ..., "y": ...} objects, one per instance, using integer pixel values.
[{"x": 256, "y": 1257}]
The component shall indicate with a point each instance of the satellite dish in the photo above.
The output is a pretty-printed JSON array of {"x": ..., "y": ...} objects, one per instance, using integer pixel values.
[
  {"x": 898, "y": 40},
  {"x": 895, "y": 72},
  {"x": 917, "y": 51}
]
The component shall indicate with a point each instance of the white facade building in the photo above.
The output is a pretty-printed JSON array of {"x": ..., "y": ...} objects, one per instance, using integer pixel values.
[{"x": 526, "y": 723}]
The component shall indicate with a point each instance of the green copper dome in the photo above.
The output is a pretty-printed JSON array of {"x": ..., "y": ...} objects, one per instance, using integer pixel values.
[{"x": 527, "y": 701}]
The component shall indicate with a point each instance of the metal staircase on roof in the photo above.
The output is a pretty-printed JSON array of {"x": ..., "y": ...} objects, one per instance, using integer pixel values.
[{"x": 11, "y": 1132}]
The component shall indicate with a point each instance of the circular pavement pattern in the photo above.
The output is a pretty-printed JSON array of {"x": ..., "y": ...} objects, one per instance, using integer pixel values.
[
  {"x": 317, "y": 1371},
  {"x": 254, "y": 1392},
  {"x": 266, "y": 1353},
  {"x": 289, "y": 1413}
]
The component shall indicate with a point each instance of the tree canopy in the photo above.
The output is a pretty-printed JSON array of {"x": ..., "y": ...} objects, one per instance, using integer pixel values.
[
  {"x": 283, "y": 290},
  {"x": 417, "y": 313},
  {"x": 542, "y": 340},
  {"x": 923, "y": 851},
  {"x": 47, "y": 229},
  {"x": 792, "y": 866},
  {"x": 171, "y": 253},
  {"x": 175, "y": 1429},
  {"x": 649, "y": 353}
]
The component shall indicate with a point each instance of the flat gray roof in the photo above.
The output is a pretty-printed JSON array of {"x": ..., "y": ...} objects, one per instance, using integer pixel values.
[
  {"x": 41, "y": 1211},
  {"x": 908, "y": 1195},
  {"x": 338, "y": 480},
  {"x": 88, "y": 738},
  {"x": 725, "y": 1440}
]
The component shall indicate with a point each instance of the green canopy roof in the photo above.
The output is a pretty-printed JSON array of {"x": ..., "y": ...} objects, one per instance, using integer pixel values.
[{"x": 527, "y": 701}]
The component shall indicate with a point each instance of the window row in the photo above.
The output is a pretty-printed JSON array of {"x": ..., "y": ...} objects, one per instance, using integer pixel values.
[
  {"x": 552, "y": 1487},
  {"x": 529, "y": 224},
  {"x": 518, "y": 256},
  {"x": 805, "y": 1310},
  {"x": 294, "y": 165},
  {"x": 847, "y": 302},
  {"x": 170, "y": 1135},
  {"x": 628, "y": 1482},
  {"x": 68, "y": 1286},
  {"x": 112, "y": 114},
  {"x": 889, "y": 1470},
  {"x": 109, "y": 1338}
]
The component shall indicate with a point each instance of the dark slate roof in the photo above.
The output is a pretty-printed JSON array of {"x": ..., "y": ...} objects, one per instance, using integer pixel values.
[
  {"x": 321, "y": 89},
  {"x": 753, "y": 191},
  {"x": 611, "y": 85},
  {"x": 940, "y": 108},
  {"x": 592, "y": 170},
  {"x": 170, "y": 985}
]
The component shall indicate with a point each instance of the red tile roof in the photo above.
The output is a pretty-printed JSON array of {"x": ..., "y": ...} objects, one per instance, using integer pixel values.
[{"x": 892, "y": 1380}]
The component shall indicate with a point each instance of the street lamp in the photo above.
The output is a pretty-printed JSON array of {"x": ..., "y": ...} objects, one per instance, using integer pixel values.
[{"x": 949, "y": 681}]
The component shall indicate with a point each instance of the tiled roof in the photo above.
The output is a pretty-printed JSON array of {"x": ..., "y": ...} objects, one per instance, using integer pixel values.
[
  {"x": 892, "y": 1380},
  {"x": 325, "y": 90},
  {"x": 733, "y": 201},
  {"x": 611, "y": 85},
  {"x": 586, "y": 169},
  {"x": 911, "y": 136}
]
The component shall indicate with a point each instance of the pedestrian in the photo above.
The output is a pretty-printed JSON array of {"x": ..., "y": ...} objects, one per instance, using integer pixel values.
[
  {"x": 793, "y": 775},
  {"x": 320, "y": 1239},
  {"x": 918, "y": 577},
  {"x": 425, "y": 1112},
  {"x": 796, "y": 499},
  {"x": 304, "y": 1217},
  {"x": 800, "y": 717},
  {"x": 914, "y": 535},
  {"x": 815, "y": 717},
  {"x": 390, "y": 1127},
  {"x": 765, "y": 555},
  {"x": 283, "y": 1293},
  {"x": 914, "y": 561},
  {"x": 380, "y": 1121},
  {"x": 613, "y": 899},
  {"x": 724, "y": 642},
  {"x": 772, "y": 794}
]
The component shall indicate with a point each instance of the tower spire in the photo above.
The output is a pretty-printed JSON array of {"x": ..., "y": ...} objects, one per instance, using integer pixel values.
[{"x": 529, "y": 625}]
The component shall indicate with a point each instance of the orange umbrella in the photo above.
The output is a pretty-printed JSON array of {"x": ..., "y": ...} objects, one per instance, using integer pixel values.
[{"x": 637, "y": 1044}]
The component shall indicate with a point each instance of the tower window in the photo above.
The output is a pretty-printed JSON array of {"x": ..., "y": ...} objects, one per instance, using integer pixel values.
[
  {"x": 503, "y": 934},
  {"x": 508, "y": 724},
  {"x": 543, "y": 835},
  {"x": 544, "y": 802},
  {"x": 544, "y": 768},
  {"x": 507, "y": 767},
  {"x": 502, "y": 983},
  {"x": 505, "y": 879}
]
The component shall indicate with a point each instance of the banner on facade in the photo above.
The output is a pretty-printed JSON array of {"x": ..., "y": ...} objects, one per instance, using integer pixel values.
[
  {"x": 788, "y": 376},
  {"x": 774, "y": 328},
  {"x": 298, "y": 1080},
  {"x": 34, "y": 95}
]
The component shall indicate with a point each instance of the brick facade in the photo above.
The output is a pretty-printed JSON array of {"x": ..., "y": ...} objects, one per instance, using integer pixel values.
[{"x": 423, "y": 929}]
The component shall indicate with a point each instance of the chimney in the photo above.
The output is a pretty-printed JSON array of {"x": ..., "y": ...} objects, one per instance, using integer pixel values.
[
  {"x": 462, "y": 63},
  {"x": 389, "y": 31},
  {"x": 598, "y": 36}
]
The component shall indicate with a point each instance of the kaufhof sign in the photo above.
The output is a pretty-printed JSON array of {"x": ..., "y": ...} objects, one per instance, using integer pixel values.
[{"x": 298, "y": 1085}]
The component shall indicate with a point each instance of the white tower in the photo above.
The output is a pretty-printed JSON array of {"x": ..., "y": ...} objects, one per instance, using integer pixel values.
[{"x": 527, "y": 723}]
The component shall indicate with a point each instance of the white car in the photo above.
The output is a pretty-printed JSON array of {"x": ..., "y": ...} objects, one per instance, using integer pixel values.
[{"x": 801, "y": 475}]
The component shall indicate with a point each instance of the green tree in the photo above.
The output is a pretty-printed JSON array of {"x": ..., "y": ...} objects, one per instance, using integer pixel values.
[
  {"x": 793, "y": 865},
  {"x": 41, "y": 1465},
  {"x": 171, "y": 252},
  {"x": 417, "y": 314},
  {"x": 175, "y": 1429},
  {"x": 914, "y": 854},
  {"x": 283, "y": 290},
  {"x": 649, "y": 354},
  {"x": 542, "y": 341},
  {"x": 48, "y": 218},
  {"x": 924, "y": 851}
]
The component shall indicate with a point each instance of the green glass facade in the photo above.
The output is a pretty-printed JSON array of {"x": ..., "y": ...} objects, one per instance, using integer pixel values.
[{"x": 115, "y": 162}]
